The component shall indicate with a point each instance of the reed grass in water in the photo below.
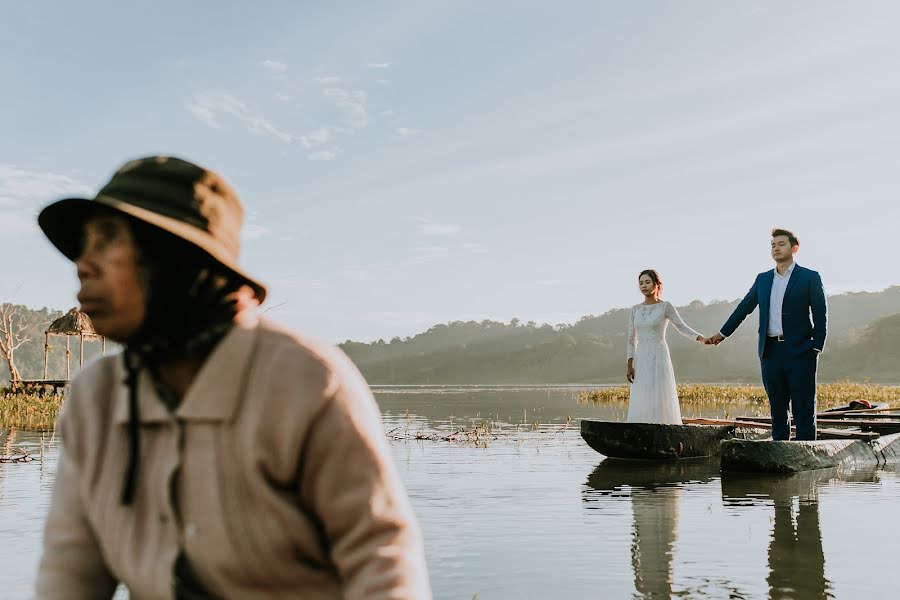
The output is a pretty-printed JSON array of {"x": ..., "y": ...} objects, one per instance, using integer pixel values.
[
  {"x": 38, "y": 412},
  {"x": 29, "y": 411},
  {"x": 828, "y": 395}
]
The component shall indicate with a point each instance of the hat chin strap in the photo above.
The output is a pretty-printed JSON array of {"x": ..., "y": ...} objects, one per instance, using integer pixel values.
[{"x": 129, "y": 483}]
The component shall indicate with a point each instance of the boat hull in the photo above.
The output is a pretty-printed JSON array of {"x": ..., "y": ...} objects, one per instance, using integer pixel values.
[
  {"x": 771, "y": 456},
  {"x": 654, "y": 441}
]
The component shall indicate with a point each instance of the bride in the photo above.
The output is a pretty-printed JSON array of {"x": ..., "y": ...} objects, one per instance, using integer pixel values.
[{"x": 654, "y": 397}]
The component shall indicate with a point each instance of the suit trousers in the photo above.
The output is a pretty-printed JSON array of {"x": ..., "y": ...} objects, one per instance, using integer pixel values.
[{"x": 790, "y": 382}]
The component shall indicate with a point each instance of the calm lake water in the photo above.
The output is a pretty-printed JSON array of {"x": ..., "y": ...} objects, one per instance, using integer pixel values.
[{"x": 535, "y": 513}]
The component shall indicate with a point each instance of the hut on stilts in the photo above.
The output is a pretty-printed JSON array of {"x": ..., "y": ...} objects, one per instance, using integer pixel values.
[{"x": 73, "y": 324}]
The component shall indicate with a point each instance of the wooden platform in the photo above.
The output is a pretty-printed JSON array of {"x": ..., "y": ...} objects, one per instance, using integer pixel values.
[{"x": 42, "y": 385}]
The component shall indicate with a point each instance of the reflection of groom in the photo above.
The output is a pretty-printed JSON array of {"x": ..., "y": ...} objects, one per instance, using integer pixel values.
[{"x": 789, "y": 344}]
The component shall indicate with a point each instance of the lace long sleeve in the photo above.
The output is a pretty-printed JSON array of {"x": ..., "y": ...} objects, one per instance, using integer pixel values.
[
  {"x": 632, "y": 336},
  {"x": 675, "y": 319}
]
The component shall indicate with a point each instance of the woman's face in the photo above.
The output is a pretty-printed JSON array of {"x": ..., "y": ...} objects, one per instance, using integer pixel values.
[
  {"x": 112, "y": 289},
  {"x": 646, "y": 285}
]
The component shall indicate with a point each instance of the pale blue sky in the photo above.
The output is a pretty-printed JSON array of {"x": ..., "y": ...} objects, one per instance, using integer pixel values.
[{"x": 405, "y": 164}]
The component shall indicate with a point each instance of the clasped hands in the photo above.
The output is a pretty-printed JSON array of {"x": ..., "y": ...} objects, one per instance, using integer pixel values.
[{"x": 713, "y": 340}]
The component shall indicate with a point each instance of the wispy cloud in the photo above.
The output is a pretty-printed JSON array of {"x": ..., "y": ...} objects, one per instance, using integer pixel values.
[
  {"x": 315, "y": 138},
  {"x": 320, "y": 144},
  {"x": 323, "y": 154},
  {"x": 384, "y": 81},
  {"x": 388, "y": 113},
  {"x": 22, "y": 187},
  {"x": 327, "y": 79},
  {"x": 549, "y": 282},
  {"x": 379, "y": 65},
  {"x": 407, "y": 131},
  {"x": 22, "y": 191},
  {"x": 353, "y": 116},
  {"x": 475, "y": 247},
  {"x": 429, "y": 227},
  {"x": 255, "y": 231},
  {"x": 213, "y": 107},
  {"x": 275, "y": 67},
  {"x": 422, "y": 255},
  {"x": 352, "y": 104},
  {"x": 210, "y": 106}
]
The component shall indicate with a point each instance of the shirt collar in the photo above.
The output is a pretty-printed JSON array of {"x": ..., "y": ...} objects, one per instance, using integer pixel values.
[
  {"x": 215, "y": 393},
  {"x": 787, "y": 273}
]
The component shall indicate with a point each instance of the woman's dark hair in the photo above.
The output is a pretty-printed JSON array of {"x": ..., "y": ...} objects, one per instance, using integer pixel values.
[
  {"x": 188, "y": 304},
  {"x": 655, "y": 278},
  {"x": 189, "y": 309}
]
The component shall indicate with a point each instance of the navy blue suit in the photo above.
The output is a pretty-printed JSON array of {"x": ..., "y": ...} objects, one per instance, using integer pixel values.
[{"x": 789, "y": 366}]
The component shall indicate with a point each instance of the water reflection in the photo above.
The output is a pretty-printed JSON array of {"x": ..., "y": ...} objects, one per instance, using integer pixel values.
[
  {"x": 655, "y": 490},
  {"x": 796, "y": 559}
]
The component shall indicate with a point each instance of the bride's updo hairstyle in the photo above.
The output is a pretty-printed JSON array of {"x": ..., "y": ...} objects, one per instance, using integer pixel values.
[{"x": 655, "y": 278}]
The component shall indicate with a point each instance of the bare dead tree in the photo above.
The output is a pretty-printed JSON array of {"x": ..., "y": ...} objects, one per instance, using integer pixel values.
[{"x": 14, "y": 328}]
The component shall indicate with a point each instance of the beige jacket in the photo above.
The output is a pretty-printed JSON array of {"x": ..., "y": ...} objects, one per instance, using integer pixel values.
[{"x": 273, "y": 476}]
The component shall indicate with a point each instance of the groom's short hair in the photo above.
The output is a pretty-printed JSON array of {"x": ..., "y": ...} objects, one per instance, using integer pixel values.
[{"x": 790, "y": 235}]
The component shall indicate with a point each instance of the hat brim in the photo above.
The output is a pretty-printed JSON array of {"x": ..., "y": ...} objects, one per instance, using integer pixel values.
[{"x": 63, "y": 220}]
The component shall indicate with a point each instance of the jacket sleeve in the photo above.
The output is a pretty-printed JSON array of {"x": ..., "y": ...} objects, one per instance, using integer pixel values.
[
  {"x": 819, "y": 307},
  {"x": 743, "y": 309},
  {"x": 350, "y": 482},
  {"x": 72, "y": 565}
]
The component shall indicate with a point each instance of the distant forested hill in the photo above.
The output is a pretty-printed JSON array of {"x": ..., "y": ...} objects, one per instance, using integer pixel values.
[{"x": 863, "y": 342}]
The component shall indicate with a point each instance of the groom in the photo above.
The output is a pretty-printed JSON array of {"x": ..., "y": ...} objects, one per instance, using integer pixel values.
[{"x": 789, "y": 343}]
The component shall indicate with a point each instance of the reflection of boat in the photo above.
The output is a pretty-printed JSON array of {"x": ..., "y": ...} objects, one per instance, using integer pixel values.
[
  {"x": 796, "y": 558},
  {"x": 611, "y": 475},
  {"x": 770, "y": 456},
  {"x": 741, "y": 488},
  {"x": 655, "y": 441}
]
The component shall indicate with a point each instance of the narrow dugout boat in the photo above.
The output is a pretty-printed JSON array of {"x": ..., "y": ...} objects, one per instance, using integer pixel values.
[
  {"x": 654, "y": 441},
  {"x": 770, "y": 456},
  {"x": 706, "y": 437}
]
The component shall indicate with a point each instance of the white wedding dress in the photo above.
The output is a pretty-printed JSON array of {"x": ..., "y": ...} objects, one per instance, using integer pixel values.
[{"x": 654, "y": 397}]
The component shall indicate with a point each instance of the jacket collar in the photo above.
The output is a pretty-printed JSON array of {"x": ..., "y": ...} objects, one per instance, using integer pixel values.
[
  {"x": 790, "y": 284},
  {"x": 214, "y": 395}
]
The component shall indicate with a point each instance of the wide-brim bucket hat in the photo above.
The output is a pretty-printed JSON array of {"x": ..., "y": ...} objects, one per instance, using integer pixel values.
[{"x": 186, "y": 200}]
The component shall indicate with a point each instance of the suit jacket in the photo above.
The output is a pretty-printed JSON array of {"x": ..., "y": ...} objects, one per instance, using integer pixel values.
[{"x": 803, "y": 297}]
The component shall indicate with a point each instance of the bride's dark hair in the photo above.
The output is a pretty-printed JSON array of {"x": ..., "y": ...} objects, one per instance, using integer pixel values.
[{"x": 655, "y": 278}]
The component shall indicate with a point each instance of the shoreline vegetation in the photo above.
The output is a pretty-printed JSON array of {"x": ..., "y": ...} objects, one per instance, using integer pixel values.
[
  {"x": 744, "y": 396},
  {"x": 38, "y": 412}
]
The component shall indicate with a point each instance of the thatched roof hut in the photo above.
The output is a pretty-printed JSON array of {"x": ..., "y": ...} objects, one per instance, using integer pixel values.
[{"x": 73, "y": 322}]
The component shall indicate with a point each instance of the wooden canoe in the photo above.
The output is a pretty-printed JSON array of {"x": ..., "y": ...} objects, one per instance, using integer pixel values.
[
  {"x": 655, "y": 441},
  {"x": 770, "y": 456}
]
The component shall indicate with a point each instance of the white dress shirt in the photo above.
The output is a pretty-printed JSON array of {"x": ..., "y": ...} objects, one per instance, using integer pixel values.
[{"x": 776, "y": 301}]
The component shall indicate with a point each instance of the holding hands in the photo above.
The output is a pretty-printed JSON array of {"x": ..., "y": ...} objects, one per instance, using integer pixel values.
[{"x": 714, "y": 340}]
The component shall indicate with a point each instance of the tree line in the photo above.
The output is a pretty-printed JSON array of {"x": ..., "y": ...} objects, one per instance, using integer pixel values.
[{"x": 863, "y": 342}]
